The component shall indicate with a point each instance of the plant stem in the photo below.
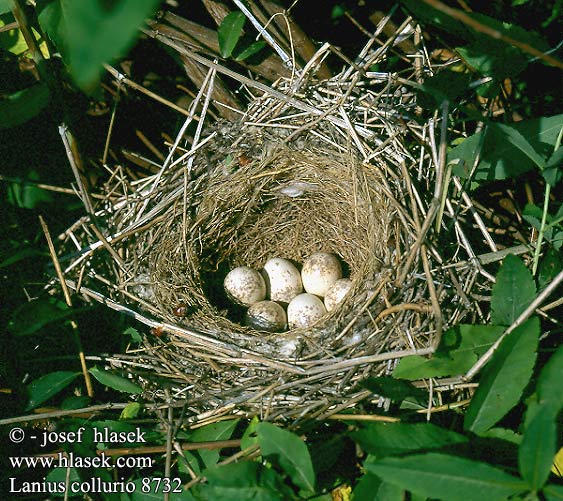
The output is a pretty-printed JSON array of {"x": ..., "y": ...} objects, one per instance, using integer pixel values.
[
  {"x": 544, "y": 213},
  {"x": 537, "y": 250}
]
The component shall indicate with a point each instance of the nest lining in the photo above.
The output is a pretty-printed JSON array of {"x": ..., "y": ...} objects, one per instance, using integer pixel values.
[{"x": 291, "y": 204}]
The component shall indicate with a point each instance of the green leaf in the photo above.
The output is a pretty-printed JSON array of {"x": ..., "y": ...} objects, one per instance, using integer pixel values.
[
  {"x": 23, "y": 105},
  {"x": 134, "y": 333},
  {"x": 392, "y": 388},
  {"x": 446, "y": 85},
  {"x": 59, "y": 475},
  {"x": 499, "y": 159},
  {"x": 547, "y": 398},
  {"x": 5, "y": 6},
  {"x": 503, "y": 434},
  {"x": 11, "y": 40},
  {"x": 221, "y": 430},
  {"x": 75, "y": 402},
  {"x": 366, "y": 488},
  {"x": 553, "y": 492},
  {"x": 552, "y": 171},
  {"x": 90, "y": 33},
  {"x": 27, "y": 195},
  {"x": 244, "y": 481},
  {"x": 131, "y": 411},
  {"x": 425, "y": 13},
  {"x": 22, "y": 253},
  {"x": 447, "y": 477},
  {"x": 494, "y": 58},
  {"x": 249, "y": 51},
  {"x": 459, "y": 349},
  {"x": 504, "y": 378},
  {"x": 537, "y": 450},
  {"x": 550, "y": 266},
  {"x": 116, "y": 382},
  {"x": 289, "y": 451},
  {"x": 513, "y": 291},
  {"x": 46, "y": 386},
  {"x": 229, "y": 32},
  {"x": 249, "y": 436},
  {"x": 157, "y": 490},
  {"x": 33, "y": 316},
  {"x": 384, "y": 439}
]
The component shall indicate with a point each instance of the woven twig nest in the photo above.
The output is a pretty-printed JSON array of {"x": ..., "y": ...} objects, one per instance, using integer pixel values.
[{"x": 329, "y": 167}]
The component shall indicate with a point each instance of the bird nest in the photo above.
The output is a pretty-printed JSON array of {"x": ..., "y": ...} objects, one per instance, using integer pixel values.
[{"x": 338, "y": 165}]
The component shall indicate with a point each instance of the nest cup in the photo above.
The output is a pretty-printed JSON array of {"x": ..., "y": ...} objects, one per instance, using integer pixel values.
[{"x": 287, "y": 199}]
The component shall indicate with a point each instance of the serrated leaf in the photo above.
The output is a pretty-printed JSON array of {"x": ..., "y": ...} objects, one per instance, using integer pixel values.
[
  {"x": 289, "y": 451},
  {"x": 504, "y": 378},
  {"x": 229, "y": 32},
  {"x": 131, "y": 411},
  {"x": 498, "y": 157},
  {"x": 513, "y": 291},
  {"x": 550, "y": 266},
  {"x": 458, "y": 351},
  {"x": 116, "y": 382},
  {"x": 46, "y": 386},
  {"x": 23, "y": 105},
  {"x": 447, "y": 477},
  {"x": 537, "y": 450},
  {"x": 384, "y": 439},
  {"x": 396, "y": 390},
  {"x": 90, "y": 33},
  {"x": 244, "y": 481},
  {"x": 249, "y": 51}
]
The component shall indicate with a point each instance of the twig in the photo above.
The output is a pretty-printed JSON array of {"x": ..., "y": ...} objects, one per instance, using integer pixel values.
[
  {"x": 159, "y": 449},
  {"x": 68, "y": 301},
  {"x": 122, "y": 79},
  {"x": 284, "y": 57},
  {"x": 519, "y": 321},
  {"x": 76, "y": 164},
  {"x": 364, "y": 417}
]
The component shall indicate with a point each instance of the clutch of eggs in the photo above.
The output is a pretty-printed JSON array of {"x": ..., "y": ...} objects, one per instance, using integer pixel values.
[{"x": 308, "y": 295}]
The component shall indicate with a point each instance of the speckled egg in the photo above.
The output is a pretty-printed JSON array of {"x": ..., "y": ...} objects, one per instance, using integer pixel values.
[
  {"x": 320, "y": 271},
  {"x": 283, "y": 280},
  {"x": 304, "y": 310},
  {"x": 267, "y": 316},
  {"x": 245, "y": 286},
  {"x": 336, "y": 293}
]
